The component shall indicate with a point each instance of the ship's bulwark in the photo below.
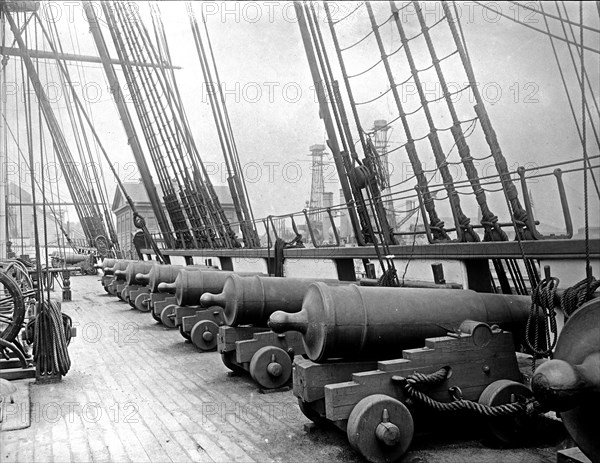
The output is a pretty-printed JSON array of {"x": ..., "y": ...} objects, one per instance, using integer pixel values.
[{"x": 137, "y": 392}]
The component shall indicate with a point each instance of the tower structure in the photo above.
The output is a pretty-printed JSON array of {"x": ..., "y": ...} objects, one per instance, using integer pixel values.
[
  {"x": 317, "y": 189},
  {"x": 381, "y": 129}
]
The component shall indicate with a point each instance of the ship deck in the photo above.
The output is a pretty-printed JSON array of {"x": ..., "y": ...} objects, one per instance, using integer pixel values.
[{"x": 137, "y": 392}]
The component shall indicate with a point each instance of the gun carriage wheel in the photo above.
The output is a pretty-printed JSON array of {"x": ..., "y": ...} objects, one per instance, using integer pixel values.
[
  {"x": 166, "y": 316},
  {"x": 204, "y": 335},
  {"x": 381, "y": 428},
  {"x": 142, "y": 302},
  {"x": 512, "y": 429},
  {"x": 271, "y": 367}
]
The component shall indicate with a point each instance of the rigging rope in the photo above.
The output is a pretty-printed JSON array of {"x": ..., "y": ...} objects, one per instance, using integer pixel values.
[
  {"x": 348, "y": 15},
  {"x": 564, "y": 82},
  {"x": 483, "y": 5},
  {"x": 588, "y": 269},
  {"x": 548, "y": 15}
]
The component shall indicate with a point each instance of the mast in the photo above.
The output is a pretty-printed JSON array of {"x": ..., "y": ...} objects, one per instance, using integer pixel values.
[
  {"x": 88, "y": 216},
  {"x": 3, "y": 156},
  {"x": 327, "y": 119},
  {"x": 132, "y": 138}
]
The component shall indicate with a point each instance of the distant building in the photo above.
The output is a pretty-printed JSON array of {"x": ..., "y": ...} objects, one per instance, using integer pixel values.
[
  {"x": 19, "y": 219},
  {"x": 137, "y": 193}
]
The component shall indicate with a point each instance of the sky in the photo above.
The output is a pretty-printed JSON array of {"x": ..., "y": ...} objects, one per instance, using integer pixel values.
[{"x": 275, "y": 116}]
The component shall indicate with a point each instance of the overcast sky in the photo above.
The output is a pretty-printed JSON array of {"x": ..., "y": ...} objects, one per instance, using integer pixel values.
[{"x": 273, "y": 108}]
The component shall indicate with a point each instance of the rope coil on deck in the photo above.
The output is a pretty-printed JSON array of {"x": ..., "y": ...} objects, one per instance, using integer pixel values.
[{"x": 51, "y": 339}]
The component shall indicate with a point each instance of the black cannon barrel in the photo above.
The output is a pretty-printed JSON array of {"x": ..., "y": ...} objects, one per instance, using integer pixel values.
[
  {"x": 106, "y": 263},
  {"x": 119, "y": 269},
  {"x": 189, "y": 286},
  {"x": 137, "y": 267},
  {"x": 252, "y": 300},
  {"x": 355, "y": 322},
  {"x": 161, "y": 273}
]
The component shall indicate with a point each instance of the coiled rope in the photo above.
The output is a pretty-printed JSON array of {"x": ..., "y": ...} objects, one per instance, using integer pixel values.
[
  {"x": 542, "y": 310},
  {"x": 50, "y": 351},
  {"x": 575, "y": 296}
]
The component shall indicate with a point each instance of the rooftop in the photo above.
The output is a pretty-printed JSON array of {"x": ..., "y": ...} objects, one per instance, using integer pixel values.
[{"x": 137, "y": 192}]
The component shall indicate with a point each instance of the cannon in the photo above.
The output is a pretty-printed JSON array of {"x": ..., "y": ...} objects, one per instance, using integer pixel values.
[
  {"x": 117, "y": 272},
  {"x": 197, "y": 324},
  {"x": 379, "y": 356},
  {"x": 159, "y": 273},
  {"x": 135, "y": 269},
  {"x": 106, "y": 263},
  {"x": 356, "y": 322},
  {"x": 252, "y": 300},
  {"x": 162, "y": 274},
  {"x": 247, "y": 344},
  {"x": 189, "y": 286},
  {"x": 116, "y": 265},
  {"x": 159, "y": 306},
  {"x": 265, "y": 355},
  {"x": 130, "y": 276},
  {"x": 570, "y": 382},
  {"x": 200, "y": 327}
]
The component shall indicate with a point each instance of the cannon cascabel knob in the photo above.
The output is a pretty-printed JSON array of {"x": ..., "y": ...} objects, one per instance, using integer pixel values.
[
  {"x": 143, "y": 278},
  {"x": 210, "y": 299},
  {"x": 280, "y": 322},
  {"x": 166, "y": 287}
]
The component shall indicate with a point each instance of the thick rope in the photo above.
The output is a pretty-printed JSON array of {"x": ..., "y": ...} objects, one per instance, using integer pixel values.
[
  {"x": 409, "y": 385},
  {"x": 575, "y": 296},
  {"x": 462, "y": 404},
  {"x": 50, "y": 351},
  {"x": 585, "y": 159},
  {"x": 542, "y": 310},
  {"x": 389, "y": 278},
  {"x": 431, "y": 378}
]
